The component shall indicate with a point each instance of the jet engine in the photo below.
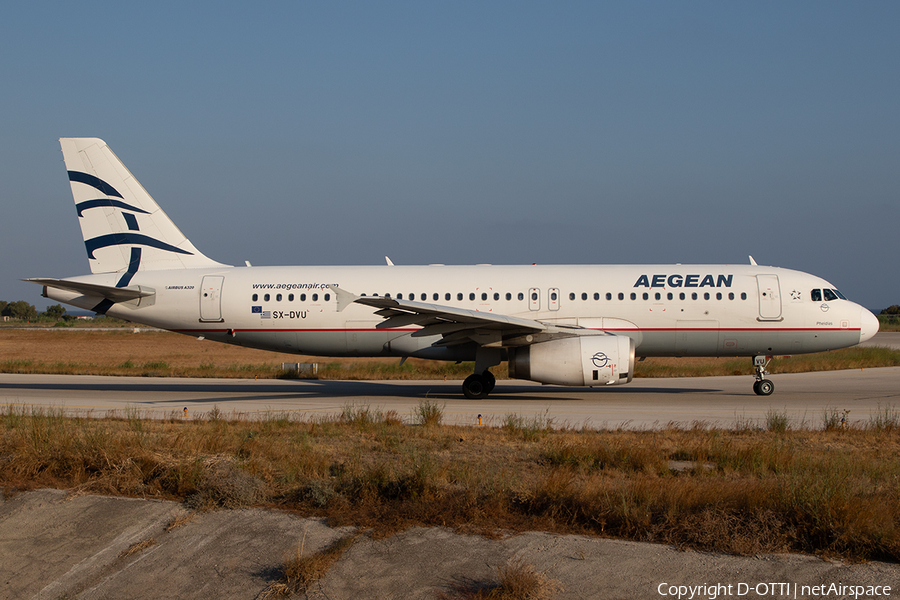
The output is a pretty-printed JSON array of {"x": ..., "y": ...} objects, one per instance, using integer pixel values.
[{"x": 584, "y": 360}]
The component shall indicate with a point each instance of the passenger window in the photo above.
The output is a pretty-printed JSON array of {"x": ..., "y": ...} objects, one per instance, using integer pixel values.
[
  {"x": 571, "y": 296},
  {"x": 608, "y": 296},
  {"x": 437, "y": 297},
  {"x": 596, "y": 296},
  {"x": 424, "y": 297},
  {"x": 829, "y": 295},
  {"x": 496, "y": 296},
  {"x": 681, "y": 296},
  {"x": 706, "y": 295},
  {"x": 718, "y": 295},
  {"x": 290, "y": 297},
  {"x": 459, "y": 296},
  {"x": 315, "y": 297},
  {"x": 447, "y": 297},
  {"x": 658, "y": 296},
  {"x": 255, "y": 297},
  {"x": 278, "y": 297},
  {"x": 483, "y": 296},
  {"x": 508, "y": 296},
  {"x": 669, "y": 295},
  {"x": 327, "y": 297},
  {"x": 266, "y": 297},
  {"x": 471, "y": 295},
  {"x": 693, "y": 295},
  {"x": 302, "y": 297},
  {"x": 521, "y": 296},
  {"x": 584, "y": 295},
  {"x": 731, "y": 295},
  {"x": 743, "y": 295},
  {"x": 633, "y": 296},
  {"x": 399, "y": 296},
  {"x": 817, "y": 295},
  {"x": 646, "y": 296},
  {"x": 621, "y": 296}
]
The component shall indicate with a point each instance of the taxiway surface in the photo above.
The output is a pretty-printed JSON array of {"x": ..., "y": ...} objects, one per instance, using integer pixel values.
[{"x": 645, "y": 403}]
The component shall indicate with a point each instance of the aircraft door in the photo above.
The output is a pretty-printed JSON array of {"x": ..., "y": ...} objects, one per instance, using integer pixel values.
[
  {"x": 553, "y": 298},
  {"x": 769, "y": 298},
  {"x": 534, "y": 299},
  {"x": 211, "y": 298}
]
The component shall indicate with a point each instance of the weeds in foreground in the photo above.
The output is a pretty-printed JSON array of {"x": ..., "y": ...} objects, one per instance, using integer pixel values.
[
  {"x": 300, "y": 570},
  {"x": 515, "y": 581},
  {"x": 138, "y": 547},
  {"x": 777, "y": 422},
  {"x": 743, "y": 491},
  {"x": 429, "y": 413}
]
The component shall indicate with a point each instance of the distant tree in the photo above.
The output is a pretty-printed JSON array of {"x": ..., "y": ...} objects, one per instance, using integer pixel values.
[
  {"x": 3, "y": 304},
  {"x": 55, "y": 312},
  {"x": 20, "y": 310},
  {"x": 892, "y": 310}
]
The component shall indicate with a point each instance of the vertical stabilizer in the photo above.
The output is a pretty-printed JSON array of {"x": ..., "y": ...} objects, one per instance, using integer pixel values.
[{"x": 124, "y": 229}]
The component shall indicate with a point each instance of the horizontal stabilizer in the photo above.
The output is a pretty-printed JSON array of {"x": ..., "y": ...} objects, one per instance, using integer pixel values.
[{"x": 113, "y": 294}]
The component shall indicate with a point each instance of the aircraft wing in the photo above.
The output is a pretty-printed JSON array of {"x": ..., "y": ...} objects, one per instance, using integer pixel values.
[
  {"x": 460, "y": 325},
  {"x": 113, "y": 294}
]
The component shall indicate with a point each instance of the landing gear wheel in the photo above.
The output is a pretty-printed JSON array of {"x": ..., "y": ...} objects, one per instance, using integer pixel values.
[
  {"x": 764, "y": 387},
  {"x": 489, "y": 382},
  {"x": 474, "y": 387}
]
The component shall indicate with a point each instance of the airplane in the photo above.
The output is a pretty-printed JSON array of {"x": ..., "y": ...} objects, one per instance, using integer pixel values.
[{"x": 570, "y": 325}]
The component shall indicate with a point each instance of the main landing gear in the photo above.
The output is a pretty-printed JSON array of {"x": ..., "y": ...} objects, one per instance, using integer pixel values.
[
  {"x": 762, "y": 386},
  {"x": 478, "y": 386}
]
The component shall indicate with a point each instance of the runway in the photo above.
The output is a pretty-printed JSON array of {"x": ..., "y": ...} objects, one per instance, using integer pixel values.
[{"x": 643, "y": 404}]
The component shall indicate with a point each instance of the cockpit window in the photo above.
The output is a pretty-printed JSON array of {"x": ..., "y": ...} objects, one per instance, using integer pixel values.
[
  {"x": 830, "y": 295},
  {"x": 839, "y": 294},
  {"x": 817, "y": 295}
]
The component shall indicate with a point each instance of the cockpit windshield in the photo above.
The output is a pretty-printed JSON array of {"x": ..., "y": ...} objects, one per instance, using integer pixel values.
[{"x": 829, "y": 295}]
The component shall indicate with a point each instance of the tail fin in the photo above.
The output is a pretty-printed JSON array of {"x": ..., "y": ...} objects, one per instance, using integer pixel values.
[{"x": 124, "y": 229}]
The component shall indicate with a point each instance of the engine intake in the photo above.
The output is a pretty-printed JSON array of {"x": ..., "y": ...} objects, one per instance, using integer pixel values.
[{"x": 585, "y": 360}]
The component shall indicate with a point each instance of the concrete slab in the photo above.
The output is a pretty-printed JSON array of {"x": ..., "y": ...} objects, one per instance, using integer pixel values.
[{"x": 53, "y": 545}]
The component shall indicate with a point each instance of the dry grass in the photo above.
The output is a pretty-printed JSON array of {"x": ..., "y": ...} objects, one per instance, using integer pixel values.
[
  {"x": 744, "y": 491},
  {"x": 164, "y": 354},
  {"x": 515, "y": 581},
  {"x": 301, "y": 570},
  {"x": 138, "y": 547}
]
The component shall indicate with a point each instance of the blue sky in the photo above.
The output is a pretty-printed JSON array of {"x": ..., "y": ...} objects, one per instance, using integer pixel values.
[{"x": 467, "y": 132}]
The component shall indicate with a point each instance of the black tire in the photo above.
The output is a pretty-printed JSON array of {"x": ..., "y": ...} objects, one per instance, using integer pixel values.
[
  {"x": 765, "y": 387},
  {"x": 489, "y": 382},
  {"x": 756, "y": 388},
  {"x": 474, "y": 387}
]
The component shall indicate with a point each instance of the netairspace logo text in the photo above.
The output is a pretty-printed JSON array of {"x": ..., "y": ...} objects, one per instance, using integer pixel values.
[{"x": 772, "y": 590}]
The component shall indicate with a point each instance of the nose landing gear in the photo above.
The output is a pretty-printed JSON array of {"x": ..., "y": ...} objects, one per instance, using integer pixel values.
[{"x": 762, "y": 386}]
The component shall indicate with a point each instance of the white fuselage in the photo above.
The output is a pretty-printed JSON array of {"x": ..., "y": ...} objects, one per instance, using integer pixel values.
[{"x": 668, "y": 310}]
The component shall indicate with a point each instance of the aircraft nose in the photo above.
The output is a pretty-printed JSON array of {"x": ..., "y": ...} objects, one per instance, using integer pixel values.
[{"x": 868, "y": 325}]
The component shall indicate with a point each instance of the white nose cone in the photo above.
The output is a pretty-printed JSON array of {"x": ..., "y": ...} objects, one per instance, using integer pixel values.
[{"x": 868, "y": 325}]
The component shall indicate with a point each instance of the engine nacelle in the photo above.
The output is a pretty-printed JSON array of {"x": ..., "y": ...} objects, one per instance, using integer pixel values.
[{"x": 585, "y": 360}]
